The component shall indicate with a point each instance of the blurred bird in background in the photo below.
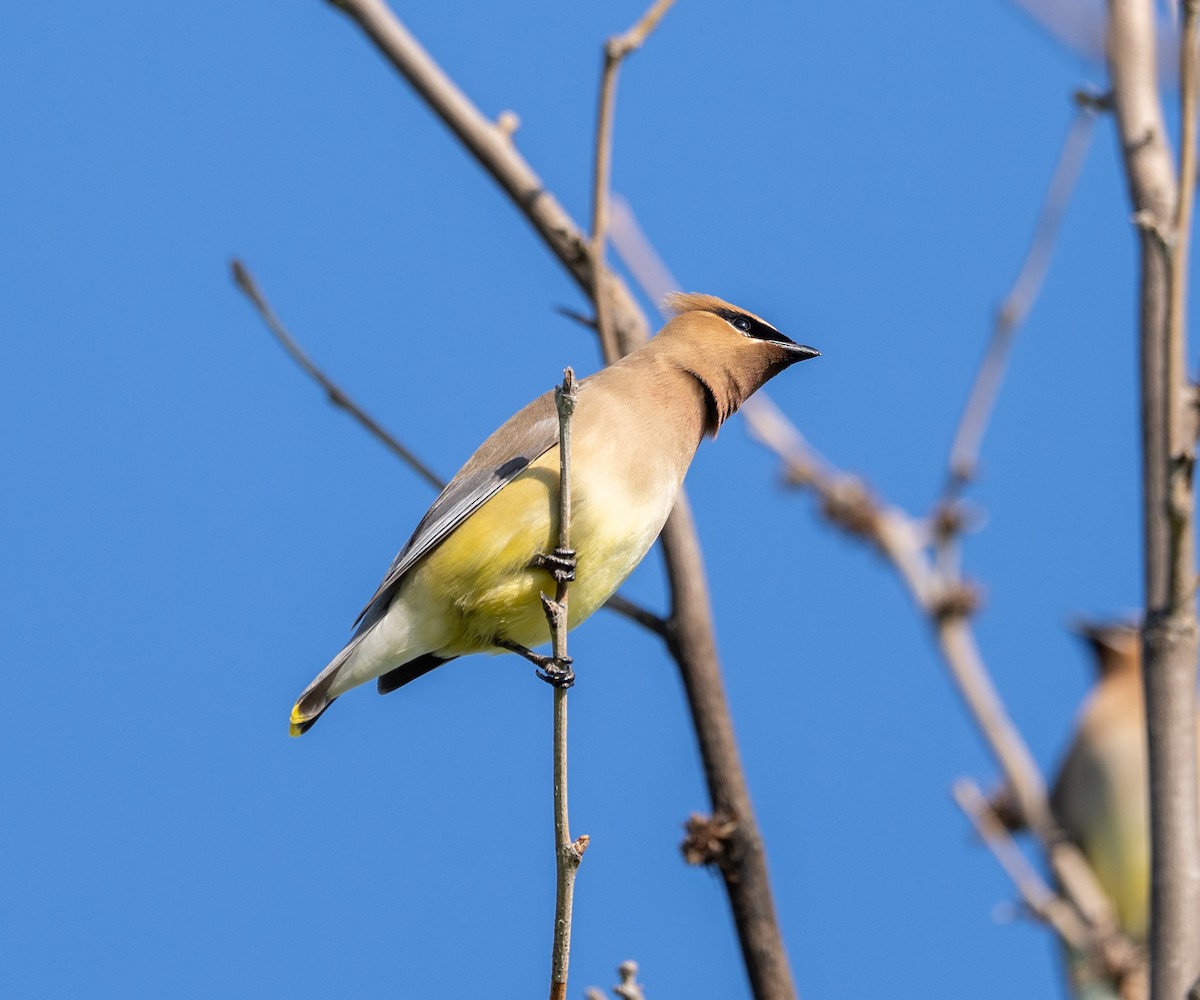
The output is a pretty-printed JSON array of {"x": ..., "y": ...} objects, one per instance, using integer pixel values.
[
  {"x": 1101, "y": 796},
  {"x": 469, "y": 579}
]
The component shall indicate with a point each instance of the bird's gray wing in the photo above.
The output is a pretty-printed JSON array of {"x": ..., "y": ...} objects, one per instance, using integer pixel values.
[{"x": 522, "y": 439}]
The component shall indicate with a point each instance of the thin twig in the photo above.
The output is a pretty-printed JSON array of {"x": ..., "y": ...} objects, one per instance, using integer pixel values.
[
  {"x": 567, "y": 853},
  {"x": 964, "y": 454},
  {"x": 1037, "y": 896},
  {"x": 245, "y": 281},
  {"x": 615, "y": 51},
  {"x": 636, "y": 613}
]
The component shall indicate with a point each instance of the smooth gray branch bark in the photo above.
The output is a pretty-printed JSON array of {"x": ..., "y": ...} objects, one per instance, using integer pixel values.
[{"x": 1161, "y": 213}]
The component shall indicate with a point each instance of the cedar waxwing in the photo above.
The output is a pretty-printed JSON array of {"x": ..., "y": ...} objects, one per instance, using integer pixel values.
[
  {"x": 469, "y": 579},
  {"x": 1102, "y": 796}
]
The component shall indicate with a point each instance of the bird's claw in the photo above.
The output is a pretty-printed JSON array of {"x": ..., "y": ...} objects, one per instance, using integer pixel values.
[
  {"x": 560, "y": 564},
  {"x": 557, "y": 671}
]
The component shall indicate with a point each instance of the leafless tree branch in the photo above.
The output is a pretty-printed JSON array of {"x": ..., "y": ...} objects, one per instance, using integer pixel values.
[
  {"x": 615, "y": 51},
  {"x": 636, "y": 613},
  {"x": 568, "y": 853},
  {"x": 1038, "y": 897},
  {"x": 964, "y": 453},
  {"x": 1162, "y": 213},
  {"x": 627, "y": 989},
  {"x": 245, "y": 281}
]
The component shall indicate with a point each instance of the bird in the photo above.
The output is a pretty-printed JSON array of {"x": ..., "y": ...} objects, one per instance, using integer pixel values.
[
  {"x": 469, "y": 579},
  {"x": 1101, "y": 795}
]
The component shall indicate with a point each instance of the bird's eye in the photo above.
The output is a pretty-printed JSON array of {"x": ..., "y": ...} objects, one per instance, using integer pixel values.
[{"x": 741, "y": 323}]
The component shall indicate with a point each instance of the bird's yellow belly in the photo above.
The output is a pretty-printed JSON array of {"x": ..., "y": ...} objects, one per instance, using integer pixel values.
[{"x": 484, "y": 572}]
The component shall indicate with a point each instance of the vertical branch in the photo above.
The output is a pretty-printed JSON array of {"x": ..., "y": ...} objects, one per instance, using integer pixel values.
[
  {"x": 567, "y": 853},
  {"x": 1169, "y": 635},
  {"x": 615, "y": 51}
]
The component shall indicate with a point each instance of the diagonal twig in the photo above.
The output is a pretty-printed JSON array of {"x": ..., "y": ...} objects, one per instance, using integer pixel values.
[
  {"x": 964, "y": 453},
  {"x": 1037, "y": 896},
  {"x": 245, "y": 281}
]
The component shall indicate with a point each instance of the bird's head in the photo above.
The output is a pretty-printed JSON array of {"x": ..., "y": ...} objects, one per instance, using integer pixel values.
[
  {"x": 730, "y": 351},
  {"x": 1115, "y": 644}
]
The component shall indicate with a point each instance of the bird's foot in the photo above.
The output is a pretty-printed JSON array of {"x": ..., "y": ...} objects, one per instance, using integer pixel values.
[
  {"x": 560, "y": 564},
  {"x": 553, "y": 670},
  {"x": 557, "y": 672}
]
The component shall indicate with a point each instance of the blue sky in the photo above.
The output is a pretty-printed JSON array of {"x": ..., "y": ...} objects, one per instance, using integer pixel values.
[{"x": 190, "y": 529}]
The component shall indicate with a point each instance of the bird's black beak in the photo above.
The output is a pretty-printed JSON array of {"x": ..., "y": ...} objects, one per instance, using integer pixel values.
[{"x": 802, "y": 351}]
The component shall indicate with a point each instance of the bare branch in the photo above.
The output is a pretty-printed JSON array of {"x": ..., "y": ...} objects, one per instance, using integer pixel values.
[
  {"x": 636, "y": 613},
  {"x": 1037, "y": 896},
  {"x": 245, "y": 281},
  {"x": 964, "y": 454},
  {"x": 1160, "y": 209},
  {"x": 493, "y": 148},
  {"x": 568, "y": 853},
  {"x": 615, "y": 51},
  {"x": 627, "y": 989}
]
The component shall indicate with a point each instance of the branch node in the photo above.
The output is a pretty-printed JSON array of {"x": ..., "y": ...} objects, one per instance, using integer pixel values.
[
  {"x": 1091, "y": 100},
  {"x": 577, "y": 847},
  {"x": 1148, "y": 222},
  {"x": 709, "y": 841},
  {"x": 628, "y": 988},
  {"x": 507, "y": 123},
  {"x": 849, "y": 504},
  {"x": 956, "y": 600}
]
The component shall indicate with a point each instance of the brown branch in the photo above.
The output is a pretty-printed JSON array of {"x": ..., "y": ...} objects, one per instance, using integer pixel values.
[
  {"x": 964, "y": 453},
  {"x": 568, "y": 853},
  {"x": 493, "y": 148},
  {"x": 1170, "y": 633},
  {"x": 693, "y": 645},
  {"x": 245, "y": 281},
  {"x": 636, "y": 613},
  {"x": 615, "y": 51}
]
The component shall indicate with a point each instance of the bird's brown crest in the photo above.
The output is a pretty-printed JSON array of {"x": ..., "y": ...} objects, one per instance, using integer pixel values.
[{"x": 682, "y": 302}]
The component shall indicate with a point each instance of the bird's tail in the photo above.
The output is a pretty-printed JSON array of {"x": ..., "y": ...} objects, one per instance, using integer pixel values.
[{"x": 317, "y": 697}]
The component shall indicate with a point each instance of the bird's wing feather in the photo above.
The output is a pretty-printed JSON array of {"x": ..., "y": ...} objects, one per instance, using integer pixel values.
[{"x": 521, "y": 440}]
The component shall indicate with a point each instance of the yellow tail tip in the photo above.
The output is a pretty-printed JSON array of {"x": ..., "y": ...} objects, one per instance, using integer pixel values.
[{"x": 297, "y": 725}]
